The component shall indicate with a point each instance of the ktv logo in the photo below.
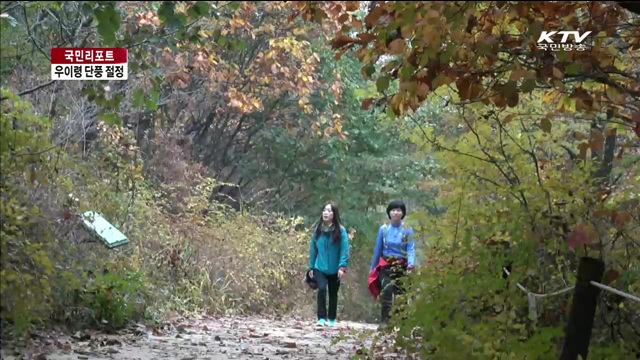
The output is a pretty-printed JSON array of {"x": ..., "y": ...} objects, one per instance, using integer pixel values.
[{"x": 546, "y": 42}]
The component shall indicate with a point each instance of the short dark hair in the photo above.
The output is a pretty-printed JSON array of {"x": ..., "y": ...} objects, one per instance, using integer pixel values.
[{"x": 397, "y": 204}]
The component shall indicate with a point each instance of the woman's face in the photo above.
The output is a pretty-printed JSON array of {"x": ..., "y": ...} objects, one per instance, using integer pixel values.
[
  {"x": 327, "y": 214},
  {"x": 396, "y": 214}
]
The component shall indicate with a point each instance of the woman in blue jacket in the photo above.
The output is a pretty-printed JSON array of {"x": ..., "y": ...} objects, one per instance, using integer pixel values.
[
  {"x": 328, "y": 261},
  {"x": 393, "y": 256}
]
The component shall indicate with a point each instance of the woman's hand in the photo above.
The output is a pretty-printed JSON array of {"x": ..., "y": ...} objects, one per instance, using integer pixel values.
[{"x": 340, "y": 273}]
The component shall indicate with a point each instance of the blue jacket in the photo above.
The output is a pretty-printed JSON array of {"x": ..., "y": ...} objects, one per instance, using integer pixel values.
[
  {"x": 326, "y": 256},
  {"x": 395, "y": 244}
]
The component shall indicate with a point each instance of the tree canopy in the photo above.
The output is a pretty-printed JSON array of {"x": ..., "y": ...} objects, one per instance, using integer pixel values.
[{"x": 488, "y": 51}]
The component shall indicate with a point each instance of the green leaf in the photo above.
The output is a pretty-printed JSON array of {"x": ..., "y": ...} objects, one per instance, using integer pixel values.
[
  {"x": 409, "y": 14},
  {"x": 510, "y": 87},
  {"x": 438, "y": 81},
  {"x": 390, "y": 113},
  {"x": 368, "y": 70},
  {"x": 407, "y": 71},
  {"x": 239, "y": 45},
  {"x": 87, "y": 9},
  {"x": 108, "y": 23},
  {"x": 383, "y": 83},
  {"x": 545, "y": 124},
  {"x": 535, "y": 29},
  {"x": 528, "y": 85},
  {"x": 200, "y": 8},
  {"x": 138, "y": 98},
  {"x": 167, "y": 14},
  {"x": 235, "y": 5},
  {"x": 195, "y": 38},
  {"x": 573, "y": 68},
  {"x": 112, "y": 119},
  {"x": 90, "y": 92},
  {"x": 152, "y": 103},
  {"x": 446, "y": 55}
]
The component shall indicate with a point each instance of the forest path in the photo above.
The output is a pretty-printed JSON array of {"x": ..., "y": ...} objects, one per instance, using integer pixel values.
[{"x": 208, "y": 338}]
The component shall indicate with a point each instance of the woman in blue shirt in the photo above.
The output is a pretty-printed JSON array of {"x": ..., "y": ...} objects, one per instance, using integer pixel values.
[
  {"x": 394, "y": 255},
  {"x": 328, "y": 261}
]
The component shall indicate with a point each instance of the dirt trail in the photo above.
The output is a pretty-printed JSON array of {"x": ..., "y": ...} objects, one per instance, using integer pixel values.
[{"x": 206, "y": 338}]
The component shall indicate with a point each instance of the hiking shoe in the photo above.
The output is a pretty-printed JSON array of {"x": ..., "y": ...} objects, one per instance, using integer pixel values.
[
  {"x": 332, "y": 323},
  {"x": 320, "y": 322}
]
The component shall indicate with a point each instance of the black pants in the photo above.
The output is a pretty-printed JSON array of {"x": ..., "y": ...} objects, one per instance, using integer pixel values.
[
  {"x": 333, "y": 283},
  {"x": 391, "y": 282}
]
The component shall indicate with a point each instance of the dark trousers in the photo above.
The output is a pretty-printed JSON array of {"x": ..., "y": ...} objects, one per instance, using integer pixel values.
[
  {"x": 391, "y": 282},
  {"x": 333, "y": 283}
]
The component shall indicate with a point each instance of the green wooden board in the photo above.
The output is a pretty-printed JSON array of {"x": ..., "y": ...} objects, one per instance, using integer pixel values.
[{"x": 99, "y": 226}]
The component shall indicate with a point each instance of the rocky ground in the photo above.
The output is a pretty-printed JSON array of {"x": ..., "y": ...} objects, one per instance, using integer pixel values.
[{"x": 209, "y": 338}]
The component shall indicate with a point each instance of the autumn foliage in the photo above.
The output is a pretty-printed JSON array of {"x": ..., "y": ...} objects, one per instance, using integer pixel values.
[
  {"x": 489, "y": 51},
  {"x": 236, "y": 113}
]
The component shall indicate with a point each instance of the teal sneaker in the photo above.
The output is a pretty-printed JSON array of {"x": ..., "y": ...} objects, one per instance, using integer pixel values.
[
  {"x": 332, "y": 323},
  {"x": 321, "y": 322}
]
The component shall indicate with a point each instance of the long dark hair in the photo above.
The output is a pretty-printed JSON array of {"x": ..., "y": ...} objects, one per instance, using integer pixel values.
[{"x": 337, "y": 231}]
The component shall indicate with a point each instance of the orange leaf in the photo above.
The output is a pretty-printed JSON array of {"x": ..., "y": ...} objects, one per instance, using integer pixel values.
[
  {"x": 513, "y": 98},
  {"x": 518, "y": 74},
  {"x": 583, "y": 150},
  {"x": 508, "y": 119},
  {"x": 464, "y": 88},
  {"x": 580, "y": 236},
  {"x": 557, "y": 73},
  {"x": 397, "y": 47},
  {"x": 581, "y": 136},
  {"x": 342, "y": 41},
  {"x": 367, "y": 37},
  {"x": 621, "y": 219},
  {"x": 341, "y": 53},
  {"x": 423, "y": 90},
  {"x": 373, "y": 16},
  {"x": 601, "y": 213},
  {"x": 353, "y": 5},
  {"x": 366, "y": 104},
  {"x": 610, "y": 276},
  {"x": 432, "y": 14},
  {"x": 597, "y": 141}
]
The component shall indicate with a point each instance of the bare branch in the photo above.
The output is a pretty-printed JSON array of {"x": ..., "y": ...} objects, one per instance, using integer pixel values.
[{"x": 31, "y": 90}]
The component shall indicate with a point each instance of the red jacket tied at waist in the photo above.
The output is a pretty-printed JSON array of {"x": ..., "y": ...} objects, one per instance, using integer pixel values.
[{"x": 375, "y": 286}]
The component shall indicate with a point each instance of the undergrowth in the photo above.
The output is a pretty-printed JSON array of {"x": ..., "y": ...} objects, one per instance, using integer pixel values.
[{"x": 185, "y": 254}]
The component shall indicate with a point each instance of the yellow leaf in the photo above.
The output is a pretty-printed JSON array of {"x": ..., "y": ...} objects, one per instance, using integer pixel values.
[{"x": 550, "y": 96}]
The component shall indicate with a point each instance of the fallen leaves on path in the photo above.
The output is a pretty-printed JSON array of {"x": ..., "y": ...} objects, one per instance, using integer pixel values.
[{"x": 205, "y": 338}]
